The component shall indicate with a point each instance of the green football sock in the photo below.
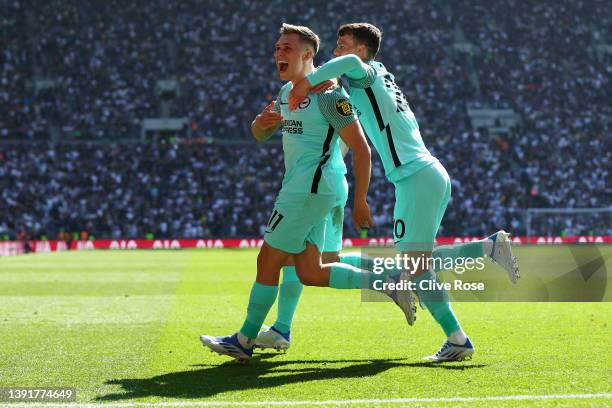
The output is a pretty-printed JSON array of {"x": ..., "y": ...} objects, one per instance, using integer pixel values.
[
  {"x": 260, "y": 301},
  {"x": 343, "y": 276},
  {"x": 443, "y": 254},
  {"x": 436, "y": 301},
  {"x": 288, "y": 295},
  {"x": 357, "y": 260}
]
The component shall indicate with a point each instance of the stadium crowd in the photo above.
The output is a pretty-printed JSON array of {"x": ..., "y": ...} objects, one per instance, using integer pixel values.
[
  {"x": 174, "y": 190},
  {"x": 103, "y": 61}
]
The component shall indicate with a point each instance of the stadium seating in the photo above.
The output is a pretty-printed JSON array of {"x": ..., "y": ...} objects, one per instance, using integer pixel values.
[{"x": 78, "y": 79}]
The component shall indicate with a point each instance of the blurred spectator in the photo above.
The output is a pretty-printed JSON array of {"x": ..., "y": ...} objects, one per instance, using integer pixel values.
[
  {"x": 102, "y": 61},
  {"x": 132, "y": 190}
]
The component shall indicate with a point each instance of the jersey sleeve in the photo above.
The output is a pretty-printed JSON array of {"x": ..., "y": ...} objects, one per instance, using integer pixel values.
[
  {"x": 349, "y": 65},
  {"x": 366, "y": 81},
  {"x": 336, "y": 108}
]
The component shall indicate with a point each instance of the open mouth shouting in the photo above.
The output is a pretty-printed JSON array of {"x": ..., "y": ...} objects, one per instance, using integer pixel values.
[{"x": 283, "y": 66}]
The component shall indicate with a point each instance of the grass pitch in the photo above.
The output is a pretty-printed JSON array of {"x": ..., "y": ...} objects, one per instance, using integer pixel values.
[{"x": 122, "y": 327}]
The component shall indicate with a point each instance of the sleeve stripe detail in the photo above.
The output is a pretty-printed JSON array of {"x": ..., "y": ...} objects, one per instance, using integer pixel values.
[
  {"x": 364, "y": 82},
  {"x": 327, "y": 104},
  {"x": 314, "y": 188}
]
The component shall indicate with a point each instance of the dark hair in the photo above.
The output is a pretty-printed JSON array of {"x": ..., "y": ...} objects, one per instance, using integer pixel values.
[
  {"x": 306, "y": 35},
  {"x": 363, "y": 33}
]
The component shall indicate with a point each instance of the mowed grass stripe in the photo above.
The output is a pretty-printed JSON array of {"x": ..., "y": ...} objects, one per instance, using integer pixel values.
[
  {"x": 148, "y": 351},
  {"x": 212, "y": 289},
  {"x": 96, "y": 260},
  {"x": 89, "y": 273},
  {"x": 78, "y": 335},
  {"x": 99, "y": 288},
  {"x": 343, "y": 348},
  {"x": 69, "y": 310},
  {"x": 108, "y": 276}
]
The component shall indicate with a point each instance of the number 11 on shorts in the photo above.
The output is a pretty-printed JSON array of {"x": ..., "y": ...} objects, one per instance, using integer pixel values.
[{"x": 275, "y": 218}]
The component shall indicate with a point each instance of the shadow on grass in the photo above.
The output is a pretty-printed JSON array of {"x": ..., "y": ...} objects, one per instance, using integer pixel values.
[
  {"x": 260, "y": 373},
  {"x": 457, "y": 365}
]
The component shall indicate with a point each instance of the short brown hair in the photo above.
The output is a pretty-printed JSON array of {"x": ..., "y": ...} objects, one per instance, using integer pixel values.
[
  {"x": 363, "y": 33},
  {"x": 306, "y": 35}
]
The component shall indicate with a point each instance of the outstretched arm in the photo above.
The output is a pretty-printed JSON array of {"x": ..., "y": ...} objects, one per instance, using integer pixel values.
[{"x": 349, "y": 65}]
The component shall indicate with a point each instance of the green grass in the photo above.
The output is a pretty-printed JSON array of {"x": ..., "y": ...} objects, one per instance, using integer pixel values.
[{"x": 123, "y": 326}]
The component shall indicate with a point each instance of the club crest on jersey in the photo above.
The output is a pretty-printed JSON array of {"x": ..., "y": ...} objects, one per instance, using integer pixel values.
[
  {"x": 344, "y": 107},
  {"x": 304, "y": 104}
]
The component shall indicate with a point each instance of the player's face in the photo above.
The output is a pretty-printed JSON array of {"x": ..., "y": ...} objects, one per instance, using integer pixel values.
[
  {"x": 290, "y": 56},
  {"x": 346, "y": 44}
]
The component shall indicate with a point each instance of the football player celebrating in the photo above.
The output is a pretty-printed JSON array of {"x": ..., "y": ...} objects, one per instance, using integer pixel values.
[
  {"x": 308, "y": 194},
  {"x": 422, "y": 185}
]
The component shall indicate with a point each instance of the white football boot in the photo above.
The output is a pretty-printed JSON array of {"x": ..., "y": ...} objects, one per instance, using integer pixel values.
[
  {"x": 229, "y": 346},
  {"x": 404, "y": 299},
  {"x": 501, "y": 254},
  {"x": 453, "y": 352},
  {"x": 272, "y": 338}
]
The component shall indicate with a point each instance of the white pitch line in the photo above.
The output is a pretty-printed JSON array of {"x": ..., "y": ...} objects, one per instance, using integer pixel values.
[{"x": 297, "y": 403}]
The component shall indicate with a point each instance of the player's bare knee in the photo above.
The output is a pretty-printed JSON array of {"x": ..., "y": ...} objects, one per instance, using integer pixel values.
[
  {"x": 310, "y": 276},
  {"x": 310, "y": 280},
  {"x": 304, "y": 276}
]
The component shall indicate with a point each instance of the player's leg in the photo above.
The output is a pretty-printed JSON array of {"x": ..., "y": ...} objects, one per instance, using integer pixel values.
[
  {"x": 336, "y": 275},
  {"x": 286, "y": 233},
  {"x": 261, "y": 298},
  {"x": 497, "y": 246},
  {"x": 289, "y": 294},
  {"x": 356, "y": 259},
  {"x": 312, "y": 272},
  {"x": 332, "y": 244},
  {"x": 342, "y": 276},
  {"x": 421, "y": 201},
  {"x": 278, "y": 336},
  {"x": 446, "y": 254},
  {"x": 308, "y": 264}
]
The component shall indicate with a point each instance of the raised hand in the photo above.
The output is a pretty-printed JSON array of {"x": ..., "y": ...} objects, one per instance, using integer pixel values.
[
  {"x": 268, "y": 119},
  {"x": 298, "y": 93}
]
